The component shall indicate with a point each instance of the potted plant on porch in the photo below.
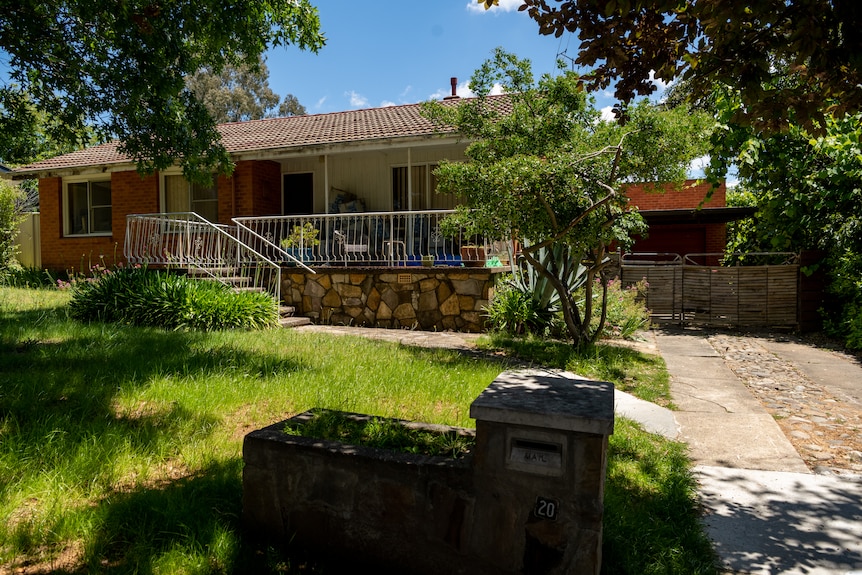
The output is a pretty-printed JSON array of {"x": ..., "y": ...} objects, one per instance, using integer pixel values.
[
  {"x": 473, "y": 255},
  {"x": 301, "y": 240}
]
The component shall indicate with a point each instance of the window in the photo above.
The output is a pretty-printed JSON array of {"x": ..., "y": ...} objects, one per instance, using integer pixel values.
[
  {"x": 88, "y": 208},
  {"x": 421, "y": 192},
  {"x": 178, "y": 195}
]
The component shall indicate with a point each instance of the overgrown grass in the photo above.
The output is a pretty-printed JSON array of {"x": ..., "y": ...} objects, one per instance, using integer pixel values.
[
  {"x": 120, "y": 446},
  {"x": 383, "y": 433}
]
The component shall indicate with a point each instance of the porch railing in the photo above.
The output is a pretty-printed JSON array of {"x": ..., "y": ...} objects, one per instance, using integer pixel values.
[
  {"x": 372, "y": 238},
  {"x": 188, "y": 242}
]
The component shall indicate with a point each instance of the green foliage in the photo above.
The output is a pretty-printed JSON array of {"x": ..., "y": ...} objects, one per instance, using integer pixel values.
[
  {"x": 383, "y": 433},
  {"x": 626, "y": 313},
  {"x": 808, "y": 196},
  {"x": 549, "y": 172},
  {"x": 515, "y": 311},
  {"x": 791, "y": 62},
  {"x": 9, "y": 220},
  {"x": 240, "y": 93},
  {"x": 122, "y": 68},
  {"x": 137, "y": 296},
  {"x": 21, "y": 277},
  {"x": 302, "y": 237},
  {"x": 120, "y": 446}
]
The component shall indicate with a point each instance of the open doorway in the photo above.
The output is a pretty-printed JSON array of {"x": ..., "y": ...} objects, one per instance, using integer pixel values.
[{"x": 297, "y": 194}]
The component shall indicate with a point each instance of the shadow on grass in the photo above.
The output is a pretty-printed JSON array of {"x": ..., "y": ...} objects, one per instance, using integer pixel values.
[
  {"x": 64, "y": 439},
  {"x": 651, "y": 521}
]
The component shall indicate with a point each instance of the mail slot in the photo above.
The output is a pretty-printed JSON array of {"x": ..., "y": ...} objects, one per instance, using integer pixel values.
[{"x": 536, "y": 452}]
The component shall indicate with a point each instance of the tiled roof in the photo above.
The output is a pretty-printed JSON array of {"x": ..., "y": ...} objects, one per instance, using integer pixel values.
[{"x": 295, "y": 132}]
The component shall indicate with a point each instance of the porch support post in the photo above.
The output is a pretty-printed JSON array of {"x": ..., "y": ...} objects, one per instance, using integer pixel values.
[
  {"x": 409, "y": 181},
  {"x": 326, "y": 183}
]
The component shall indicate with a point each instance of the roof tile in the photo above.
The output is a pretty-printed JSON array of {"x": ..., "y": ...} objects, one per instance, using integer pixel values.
[{"x": 284, "y": 133}]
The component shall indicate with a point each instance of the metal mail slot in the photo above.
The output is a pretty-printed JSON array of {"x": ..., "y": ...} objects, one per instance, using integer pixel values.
[{"x": 529, "y": 453}]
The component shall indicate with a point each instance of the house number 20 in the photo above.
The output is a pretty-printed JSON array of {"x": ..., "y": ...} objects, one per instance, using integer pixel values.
[{"x": 546, "y": 508}]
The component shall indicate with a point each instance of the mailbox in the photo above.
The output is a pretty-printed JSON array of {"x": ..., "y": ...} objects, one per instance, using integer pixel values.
[{"x": 539, "y": 471}]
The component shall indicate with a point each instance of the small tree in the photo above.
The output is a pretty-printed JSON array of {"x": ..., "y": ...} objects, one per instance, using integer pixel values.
[
  {"x": 546, "y": 170},
  {"x": 9, "y": 219}
]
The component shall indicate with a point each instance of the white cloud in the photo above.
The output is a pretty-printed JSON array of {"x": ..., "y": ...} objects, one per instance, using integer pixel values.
[
  {"x": 387, "y": 103},
  {"x": 503, "y": 6},
  {"x": 698, "y": 164},
  {"x": 320, "y": 103},
  {"x": 608, "y": 114},
  {"x": 357, "y": 100},
  {"x": 660, "y": 84}
]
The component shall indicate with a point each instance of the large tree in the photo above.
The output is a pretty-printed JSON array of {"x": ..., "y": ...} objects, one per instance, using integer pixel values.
[
  {"x": 240, "y": 93},
  {"x": 745, "y": 45},
  {"x": 808, "y": 192},
  {"x": 121, "y": 67},
  {"x": 549, "y": 172}
]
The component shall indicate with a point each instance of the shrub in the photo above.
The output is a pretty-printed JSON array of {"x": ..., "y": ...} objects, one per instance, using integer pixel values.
[
  {"x": 515, "y": 311},
  {"x": 21, "y": 277},
  {"x": 9, "y": 219},
  {"x": 136, "y": 296},
  {"x": 626, "y": 312}
]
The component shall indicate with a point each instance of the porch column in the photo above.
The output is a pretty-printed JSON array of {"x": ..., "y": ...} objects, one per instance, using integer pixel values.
[
  {"x": 409, "y": 182},
  {"x": 326, "y": 183}
]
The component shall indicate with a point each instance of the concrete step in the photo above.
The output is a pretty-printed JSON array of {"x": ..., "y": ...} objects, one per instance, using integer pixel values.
[
  {"x": 294, "y": 321},
  {"x": 286, "y": 310}
]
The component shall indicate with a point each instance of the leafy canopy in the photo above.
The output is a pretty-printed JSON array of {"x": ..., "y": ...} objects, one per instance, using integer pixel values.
[
  {"x": 545, "y": 169},
  {"x": 718, "y": 42},
  {"x": 808, "y": 192},
  {"x": 240, "y": 93},
  {"x": 121, "y": 67}
]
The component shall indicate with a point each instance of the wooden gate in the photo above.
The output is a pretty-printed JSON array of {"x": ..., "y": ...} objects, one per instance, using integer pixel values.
[{"x": 682, "y": 291}]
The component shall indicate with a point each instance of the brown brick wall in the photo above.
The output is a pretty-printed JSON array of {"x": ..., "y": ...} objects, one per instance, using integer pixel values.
[
  {"x": 267, "y": 189},
  {"x": 255, "y": 187},
  {"x": 690, "y": 195},
  {"x": 130, "y": 194}
]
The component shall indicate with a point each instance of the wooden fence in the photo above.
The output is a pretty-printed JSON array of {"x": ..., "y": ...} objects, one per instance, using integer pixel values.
[{"x": 738, "y": 296}]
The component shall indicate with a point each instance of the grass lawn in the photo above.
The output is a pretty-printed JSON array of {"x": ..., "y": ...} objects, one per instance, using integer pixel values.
[{"x": 120, "y": 447}]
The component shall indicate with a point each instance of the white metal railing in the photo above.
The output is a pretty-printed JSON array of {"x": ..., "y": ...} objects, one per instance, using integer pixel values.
[
  {"x": 189, "y": 242},
  {"x": 373, "y": 238}
]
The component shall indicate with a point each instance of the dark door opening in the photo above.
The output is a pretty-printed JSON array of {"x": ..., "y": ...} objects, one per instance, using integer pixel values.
[{"x": 298, "y": 194}]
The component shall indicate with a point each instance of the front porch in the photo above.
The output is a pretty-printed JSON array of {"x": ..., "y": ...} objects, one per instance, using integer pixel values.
[
  {"x": 394, "y": 239},
  {"x": 378, "y": 269}
]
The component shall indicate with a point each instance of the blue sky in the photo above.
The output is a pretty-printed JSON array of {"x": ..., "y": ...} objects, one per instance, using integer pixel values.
[
  {"x": 385, "y": 52},
  {"x": 405, "y": 51}
]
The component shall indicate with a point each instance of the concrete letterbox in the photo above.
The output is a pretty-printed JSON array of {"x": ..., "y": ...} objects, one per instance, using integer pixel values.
[{"x": 539, "y": 471}]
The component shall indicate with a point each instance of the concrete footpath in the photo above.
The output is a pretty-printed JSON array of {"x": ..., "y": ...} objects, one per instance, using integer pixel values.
[{"x": 764, "y": 510}]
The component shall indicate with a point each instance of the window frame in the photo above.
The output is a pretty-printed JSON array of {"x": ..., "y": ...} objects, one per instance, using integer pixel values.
[
  {"x": 68, "y": 228},
  {"x": 190, "y": 199}
]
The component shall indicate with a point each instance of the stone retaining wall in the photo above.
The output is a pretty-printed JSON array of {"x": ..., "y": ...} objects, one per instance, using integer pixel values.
[{"x": 424, "y": 298}]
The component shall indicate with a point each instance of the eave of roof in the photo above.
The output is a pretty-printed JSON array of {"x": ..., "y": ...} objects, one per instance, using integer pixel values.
[
  {"x": 697, "y": 216},
  {"x": 338, "y": 130}
]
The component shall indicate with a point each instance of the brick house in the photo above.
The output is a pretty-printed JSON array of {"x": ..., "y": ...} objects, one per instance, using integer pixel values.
[{"x": 380, "y": 159}]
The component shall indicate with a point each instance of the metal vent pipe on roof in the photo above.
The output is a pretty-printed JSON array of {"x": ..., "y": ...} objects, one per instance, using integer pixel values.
[{"x": 454, "y": 84}]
